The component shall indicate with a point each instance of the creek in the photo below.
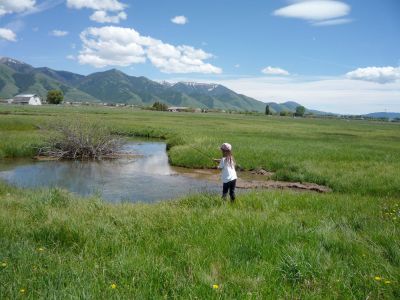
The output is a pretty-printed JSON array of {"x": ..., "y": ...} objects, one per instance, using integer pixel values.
[{"x": 145, "y": 177}]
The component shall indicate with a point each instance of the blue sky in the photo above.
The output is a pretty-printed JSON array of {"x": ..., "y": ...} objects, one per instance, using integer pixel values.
[{"x": 339, "y": 56}]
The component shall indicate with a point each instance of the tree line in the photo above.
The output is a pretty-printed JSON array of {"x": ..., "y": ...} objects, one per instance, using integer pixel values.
[{"x": 300, "y": 111}]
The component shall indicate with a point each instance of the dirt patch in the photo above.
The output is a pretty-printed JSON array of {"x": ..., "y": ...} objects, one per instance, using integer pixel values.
[
  {"x": 255, "y": 179},
  {"x": 262, "y": 172},
  {"x": 272, "y": 184}
]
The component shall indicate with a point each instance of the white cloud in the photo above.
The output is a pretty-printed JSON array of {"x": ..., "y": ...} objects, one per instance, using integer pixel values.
[
  {"x": 275, "y": 71},
  {"x": 105, "y": 5},
  {"x": 102, "y": 16},
  {"x": 180, "y": 59},
  {"x": 318, "y": 12},
  {"x": 102, "y": 9},
  {"x": 111, "y": 46},
  {"x": 59, "y": 33},
  {"x": 180, "y": 20},
  {"x": 119, "y": 46},
  {"x": 8, "y": 35},
  {"x": 15, "y": 6},
  {"x": 375, "y": 74},
  {"x": 71, "y": 57}
]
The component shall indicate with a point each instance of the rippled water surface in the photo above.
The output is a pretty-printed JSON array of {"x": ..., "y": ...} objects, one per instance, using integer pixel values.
[{"x": 147, "y": 178}]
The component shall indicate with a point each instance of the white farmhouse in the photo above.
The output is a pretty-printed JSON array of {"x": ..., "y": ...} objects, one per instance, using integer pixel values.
[
  {"x": 177, "y": 108},
  {"x": 30, "y": 99}
]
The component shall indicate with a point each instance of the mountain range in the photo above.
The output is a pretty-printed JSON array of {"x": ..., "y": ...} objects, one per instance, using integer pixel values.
[
  {"x": 114, "y": 86},
  {"x": 384, "y": 115}
]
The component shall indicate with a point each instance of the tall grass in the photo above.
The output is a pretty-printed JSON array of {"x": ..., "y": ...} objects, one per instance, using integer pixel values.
[{"x": 267, "y": 245}]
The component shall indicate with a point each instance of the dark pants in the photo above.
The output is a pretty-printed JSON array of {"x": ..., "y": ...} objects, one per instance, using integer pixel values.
[{"x": 229, "y": 186}]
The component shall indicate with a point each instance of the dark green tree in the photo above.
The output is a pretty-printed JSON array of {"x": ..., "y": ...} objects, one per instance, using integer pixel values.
[
  {"x": 300, "y": 111},
  {"x": 55, "y": 96},
  {"x": 267, "y": 111},
  {"x": 160, "y": 106},
  {"x": 284, "y": 113}
]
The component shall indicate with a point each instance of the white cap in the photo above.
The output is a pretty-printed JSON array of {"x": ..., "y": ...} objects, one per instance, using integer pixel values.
[{"x": 226, "y": 147}]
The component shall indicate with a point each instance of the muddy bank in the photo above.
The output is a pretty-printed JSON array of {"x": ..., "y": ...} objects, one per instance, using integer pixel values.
[
  {"x": 255, "y": 179},
  {"x": 272, "y": 184}
]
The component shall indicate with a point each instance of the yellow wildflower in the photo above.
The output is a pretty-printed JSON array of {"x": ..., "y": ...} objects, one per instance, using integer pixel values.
[
  {"x": 22, "y": 291},
  {"x": 113, "y": 286},
  {"x": 388, "y": 282},
  {"x": 4, "y": 264},
  {"x": 41, "y": 249},
  {"x": 377, "y": 278},
  {"x": 215, "y": 286}
]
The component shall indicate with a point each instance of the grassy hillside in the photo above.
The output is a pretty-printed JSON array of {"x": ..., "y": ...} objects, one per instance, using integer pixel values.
[
  {"x": 218, "y": 96},
  {"x": 35, "y": 82},
  {"x": 270, "y": 244},
  {"x": 7, "y": 84}
]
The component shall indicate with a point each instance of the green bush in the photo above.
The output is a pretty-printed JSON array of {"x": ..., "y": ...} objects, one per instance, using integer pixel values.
[{"x": 55, "y": 96}]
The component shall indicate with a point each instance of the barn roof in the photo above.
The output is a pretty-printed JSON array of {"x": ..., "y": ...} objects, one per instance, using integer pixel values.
[
  {"x": 177, "y": 107},
  {"x": 25, "y": 96}
]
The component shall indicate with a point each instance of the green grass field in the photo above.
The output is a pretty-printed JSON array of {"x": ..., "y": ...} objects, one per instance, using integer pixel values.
[{"x": 268, "y": 245}]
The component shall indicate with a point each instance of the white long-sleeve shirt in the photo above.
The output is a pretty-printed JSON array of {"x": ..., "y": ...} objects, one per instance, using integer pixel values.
[{"x": 228, "y": 172}]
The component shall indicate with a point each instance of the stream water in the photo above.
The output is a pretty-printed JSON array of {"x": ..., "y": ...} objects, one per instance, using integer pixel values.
[{"x": 146, "y": 178}]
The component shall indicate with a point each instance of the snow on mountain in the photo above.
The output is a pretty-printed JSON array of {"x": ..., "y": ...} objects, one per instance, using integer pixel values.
[
  {"x": 7, "y": 60},
  {"x": 166, "y": 83},
  {"x": 209, "y": 86}
]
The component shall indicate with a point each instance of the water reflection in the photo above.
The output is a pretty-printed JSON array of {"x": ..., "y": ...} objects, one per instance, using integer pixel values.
[
  {"x": 155, "y": 159},
  {"x": 147, "y": 178}
]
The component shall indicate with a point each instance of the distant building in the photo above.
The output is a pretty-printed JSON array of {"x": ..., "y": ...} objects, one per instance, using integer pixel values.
[
  {"x": 177, "y": 108},
  {"x": 30, "y": 99}
]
